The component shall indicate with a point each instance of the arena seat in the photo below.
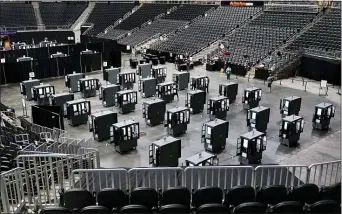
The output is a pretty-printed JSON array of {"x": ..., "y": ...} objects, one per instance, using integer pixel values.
[
  {"x": 176, "y": 195},
  {"x": 213, "y": 208},
  {"x": 105, "y": 14},
  {"x": 271, "y": 195},
  {"x": 134, "y": 209},
  {"x": 76, "y": 199},
  {"x": 305, "y": 194},
  {"x": 9, "y": 16},
  {"x": 287, "y": 207},
  {"x": 145, "y": 196},
  {"x": 238, "y": 195},
  {"x": 331, "y": 193},
  {"x": 325, "y": 206},
  {"x": 207, "y": 195},
  {"x": 95, "y": 209},
  {"x": 52, "y": 210},
  {"x": 187, "y": 12},
  {"x": 174, "y": 208},
  {"x": 250, "y": 207},
  {"x": 61, "y": 13},
  {"x": 112, "y": 198}
]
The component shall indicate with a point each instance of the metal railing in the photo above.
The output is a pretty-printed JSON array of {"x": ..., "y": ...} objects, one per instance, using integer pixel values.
[{"x": 325, "y": 174}]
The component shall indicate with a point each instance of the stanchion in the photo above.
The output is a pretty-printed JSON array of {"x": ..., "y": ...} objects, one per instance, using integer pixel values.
[
  {"x": 305, "y": 84},
  {"x": 280, "y": 81},
  {"x": 248, "y": 77},
  {"x": 23, "y": 102}
]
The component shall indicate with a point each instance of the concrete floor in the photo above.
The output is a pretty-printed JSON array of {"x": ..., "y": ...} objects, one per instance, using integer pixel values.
[{"x": 314, "y": 146}]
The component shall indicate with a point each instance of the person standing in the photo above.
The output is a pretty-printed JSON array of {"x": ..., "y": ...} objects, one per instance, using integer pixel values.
[
  {"x": 228, "y": 71},
  {"x": 270, "y": 80}
]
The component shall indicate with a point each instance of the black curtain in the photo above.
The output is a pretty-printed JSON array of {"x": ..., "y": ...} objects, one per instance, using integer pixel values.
[{"x": 48, "y": 116}]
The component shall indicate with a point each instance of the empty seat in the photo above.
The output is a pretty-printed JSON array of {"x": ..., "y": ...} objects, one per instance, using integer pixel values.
[
  {"x": 112, "y": 198},
  {"x": 144, "y": 196},
  {"x": 134, "y": 209},
  {"x": 176, "y": 195},
  {"x": 174, "y": 208},
  {"x": 53, "y": 210},
  {"x": 272, "y": 194},
  {"x": 95, "y": 209},
  {"x": 238, "y": 195},
  {"x": 77, "y": 199},
  {"x": 250, "y": 207},
  {"x": 207, "y": 195},
  {"x": 213, "y": 208},
  {"x": 325, "y": 206},
  {"x": 306, "y": 193},
  {"x": 331, "y": 193},
  {"x": 287, "y": 207}
]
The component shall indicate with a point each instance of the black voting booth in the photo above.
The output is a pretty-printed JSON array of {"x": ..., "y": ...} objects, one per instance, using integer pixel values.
[
  {"x": 111, "y": 75},
  {"x": 200, "y": 83},
  {"x": 107, "y": 94},
  {"x": 133, "y": 63},
  {"x": 214, "y": 135},
  {"x": 217, "y": 107},
  {"x": 72, "y": 81},
  {"x": 322, "y": 116},
  {"x": 88, "y": 86},
  {"x": 229, "y": 90},
  {"x": 124, "y": 135},
  {"x": 78, "y": 112},
  {"x": 153, "y": 111},
  {"x": 90, "y": 61},
  {"x": 126, "y": 80},
  {"x": 41, "y": 93},
  {"x": 195, "y": 101},
  {"x": 60, "y": 100},
  {"x": 165, "y": 152},
  {"x": 258, "y": 118},
  {"x": 159, "y": 72},
  {"x": 47, "y": 116},
  {"x": 251, "y": 97},
  {"x": 290, "y": 129},
  {"x": 147, "y": 87},
  {"x": 144, "y": 70},
  {"x": 202, "y": 159},
  {"x": 126, "y": 101},
  {"x": 182, "y": 79},
  {"x": 177, "y": 120},
  {"x": 250, "y": 146},
  {"x": 26, "y": 88},
  {"x": 290, "y": 105},
  {"x": 167, "y": 91},
  {"x": 100, "y": 123}
]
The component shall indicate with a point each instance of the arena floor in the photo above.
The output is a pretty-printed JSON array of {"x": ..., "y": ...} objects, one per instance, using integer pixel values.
[{"x": 314, "y": 146}]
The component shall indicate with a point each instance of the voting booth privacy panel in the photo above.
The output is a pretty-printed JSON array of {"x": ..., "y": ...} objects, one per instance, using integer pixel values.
[
  {"x": 59, "y": 60},
  {"x": 48, "y": 116}
]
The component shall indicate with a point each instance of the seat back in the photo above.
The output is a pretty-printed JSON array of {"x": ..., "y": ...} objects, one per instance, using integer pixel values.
[
  {"x": 112, "y": 198},
  {"x": 174, "y": 208},
  {"x": 95, "y": 209},
  {"x": 77, "y": 199},
  {"x": 207, "y": 195},
  {"x": 238, "y": 195},
  {"x": 250, "y": 207},
  {"x": 288, "y": 207},
  {"x": 306, "y": 193},
  {"x": 176, "y": 195},
  {"x": 53, "y": 210},
  {"x": 213, "y": 208},
  {"x": 331, "y": 193},
  {"x": 134, "y": 209},
  {"x": 325, "y": 206},
  {"x": 144, "y": 196},
  {"x": 272, "y": 194}
]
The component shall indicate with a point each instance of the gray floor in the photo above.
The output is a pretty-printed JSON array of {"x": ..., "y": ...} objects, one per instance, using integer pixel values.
[{"x": 314, "y": 146}]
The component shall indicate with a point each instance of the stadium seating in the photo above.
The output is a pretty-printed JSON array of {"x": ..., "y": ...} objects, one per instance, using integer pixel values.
[
  {"x": 17, "y": 15},
  {"x": 105, "y": 14},
  {"x": 206, "y": 30},
  {"x": 324, "y": 38},
  {"x": 143, "y": 14},
  {"x": 252, "y": 43},
  {"x": 111, "y": 33},
  {"x": 188, "y": 12},
  {"x": 158, "y": 27},
  {"x": 61, "y": 13},
  {"x": 240, "y": 199}
]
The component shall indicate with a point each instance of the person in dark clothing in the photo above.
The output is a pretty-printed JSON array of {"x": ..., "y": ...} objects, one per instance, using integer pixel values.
[
  {"x": 228, "y": 71},
  {"x": 270, "y": 80}
]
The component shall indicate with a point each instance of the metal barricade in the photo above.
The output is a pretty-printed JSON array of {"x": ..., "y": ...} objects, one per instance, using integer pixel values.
[
  {"x": 325, "y": 174},
  {"x": 39, "y": 129},
  {"x": 94, "y": 180},
  {"x": 47, "y": 174},
  {"x": 224, "y": 177},
  {"x": 157, "y": 178},
  {"x": 11, "y": 191},
  {"x": 22, "y": 139},
  {"x": 288, "y": 176}
]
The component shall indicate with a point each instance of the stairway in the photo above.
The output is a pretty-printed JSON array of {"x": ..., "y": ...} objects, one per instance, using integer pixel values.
[
  {"x": 38, "y": 16},
  {"x": 83, "y": 17}
]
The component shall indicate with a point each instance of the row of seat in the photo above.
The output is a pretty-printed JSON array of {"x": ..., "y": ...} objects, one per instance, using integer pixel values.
[
  {"x": 187, "y": 12},
  {"x": 14, "y": 14},
  {"x": 61, "y": 13},
  {"x": 77, "y": 199}
]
